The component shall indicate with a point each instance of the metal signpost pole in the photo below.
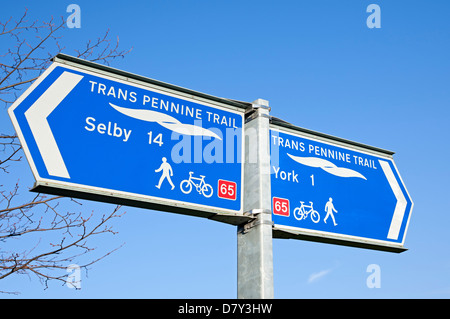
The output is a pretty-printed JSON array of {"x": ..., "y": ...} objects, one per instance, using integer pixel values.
[{"x": 254, "y": 242}]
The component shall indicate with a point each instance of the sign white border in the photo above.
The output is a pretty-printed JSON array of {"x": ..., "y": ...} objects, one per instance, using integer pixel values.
[
  {"x": 335, "y": 236},
  {"x": 120, "y": 194}
]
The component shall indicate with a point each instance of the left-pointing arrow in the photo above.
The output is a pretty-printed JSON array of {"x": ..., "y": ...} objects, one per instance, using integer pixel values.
[{"x": 37, "y": 116}]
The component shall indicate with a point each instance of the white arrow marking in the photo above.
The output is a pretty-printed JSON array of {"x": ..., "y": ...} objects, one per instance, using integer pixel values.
[
  {"x": 400, "y": 207},
  {"x": 37, "y": 115}
]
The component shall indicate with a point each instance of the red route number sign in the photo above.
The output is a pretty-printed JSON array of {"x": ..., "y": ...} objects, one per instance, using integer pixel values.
[
  {"x": 280, "y": 206},
  {"x": 227, "y": 189}
]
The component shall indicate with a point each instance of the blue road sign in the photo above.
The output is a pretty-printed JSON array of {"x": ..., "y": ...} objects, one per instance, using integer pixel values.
[
  {"x": 97, "y": 133},
  {"x": 337, "y": 192}
]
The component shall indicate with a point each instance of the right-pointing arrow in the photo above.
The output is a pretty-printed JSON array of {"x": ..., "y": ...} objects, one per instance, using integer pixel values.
[
  {"x": 400, "y": 207},
  {"x": 37, "y": 115}
]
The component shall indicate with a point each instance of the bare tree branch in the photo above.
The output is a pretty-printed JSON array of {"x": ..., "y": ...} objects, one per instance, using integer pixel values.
[
  {"x": 25, "y": 53},
  {"x": 24, "y": 61}
]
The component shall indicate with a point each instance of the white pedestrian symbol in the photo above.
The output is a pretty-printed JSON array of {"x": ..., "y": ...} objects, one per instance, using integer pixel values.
[
  {"x": 167, "y": 172},
  {"x": 329, "y": 208}
]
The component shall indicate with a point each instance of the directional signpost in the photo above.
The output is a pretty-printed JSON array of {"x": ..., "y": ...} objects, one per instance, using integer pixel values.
[
  {"x": 330, "y": 190},
  {"x": 108, "y": 136},
  {"x": 98, "y": 133}
]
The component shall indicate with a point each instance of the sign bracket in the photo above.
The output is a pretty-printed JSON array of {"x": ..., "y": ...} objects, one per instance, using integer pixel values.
[{"x": 244, "y": 228}]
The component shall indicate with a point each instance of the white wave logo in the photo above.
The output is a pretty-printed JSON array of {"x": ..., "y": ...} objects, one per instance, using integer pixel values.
[
  {"x": 166, "y": 121},
  {"x": 327, "y": 166}
]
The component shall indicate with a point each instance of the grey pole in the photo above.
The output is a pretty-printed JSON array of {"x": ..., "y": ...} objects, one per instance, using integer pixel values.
[{"x": 254, "y": 239}]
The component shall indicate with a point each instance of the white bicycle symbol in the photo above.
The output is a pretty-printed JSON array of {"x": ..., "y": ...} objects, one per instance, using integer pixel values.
[
  {"x": 302, "y": 212},
  {"x": 201, "y": 187}
]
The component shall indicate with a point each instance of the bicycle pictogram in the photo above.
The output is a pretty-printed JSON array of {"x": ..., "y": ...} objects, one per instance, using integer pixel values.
[
  {"x": 201, "y": 186},
  {"x": 303, "y": 211}
]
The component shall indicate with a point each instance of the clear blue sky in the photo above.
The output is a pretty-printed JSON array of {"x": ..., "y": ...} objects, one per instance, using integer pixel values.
[{"x": 321, "y": 68}]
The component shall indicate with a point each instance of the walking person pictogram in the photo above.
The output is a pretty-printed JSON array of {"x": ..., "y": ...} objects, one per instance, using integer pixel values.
[
  {"x": 329, "y": 208},
  {"x": 167, "y": 172}
]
